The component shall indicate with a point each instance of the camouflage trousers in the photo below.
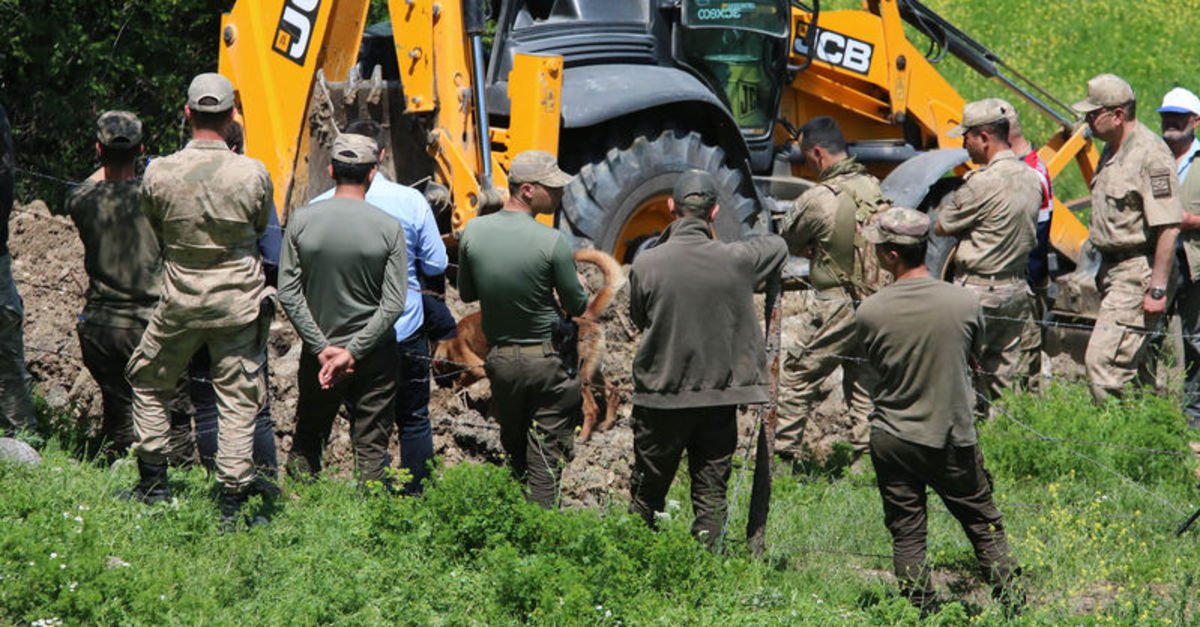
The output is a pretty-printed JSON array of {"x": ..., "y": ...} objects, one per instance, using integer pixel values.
[
  {"x": 16, "y": 404},
  {"x": 238, "y": 357},
  {"x": 1120, "y": 349},
  {"x": 829, "y": 342},
  {"x": 1007, "y": 347}
]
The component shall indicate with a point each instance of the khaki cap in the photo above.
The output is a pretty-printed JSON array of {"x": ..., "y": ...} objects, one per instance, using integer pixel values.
[
  {"x": 354, "y": 149},
  {"x": 979, "y": 113},
  {"x": 537, "y": 166},
  {"x": 695, "y": 188},
  {"x": 118, "y": 129},
  {"x": 898, "y": 226},
  {"x": 1105, "y": 90},
  {"x": 210, "y": 93}
]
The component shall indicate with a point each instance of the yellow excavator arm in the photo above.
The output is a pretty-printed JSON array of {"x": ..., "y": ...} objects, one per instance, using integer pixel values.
[{"x": 283, "y": 55}]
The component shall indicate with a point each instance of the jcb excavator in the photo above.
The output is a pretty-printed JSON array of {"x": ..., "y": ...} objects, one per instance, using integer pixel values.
[{"x": 627, "y": 93}]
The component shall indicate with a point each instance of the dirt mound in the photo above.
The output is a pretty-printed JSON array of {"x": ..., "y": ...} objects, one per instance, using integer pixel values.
[{"x": 48, "y": 268}]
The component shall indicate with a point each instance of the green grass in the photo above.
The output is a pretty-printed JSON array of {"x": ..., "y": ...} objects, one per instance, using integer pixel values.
[{"x": 1095, "y": 547}]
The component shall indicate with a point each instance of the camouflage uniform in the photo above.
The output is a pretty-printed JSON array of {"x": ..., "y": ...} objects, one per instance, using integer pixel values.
[
  {"x": 829, "y": 218},
  {"x": 1134, "y": 190},
  {"x": 994, "y": 216},
  {"x": 16, "y": 405},
  {"x": 208, "y": 206}
]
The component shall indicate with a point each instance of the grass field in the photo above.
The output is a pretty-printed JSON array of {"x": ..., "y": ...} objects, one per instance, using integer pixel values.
[
  {"x": 1091, "y": 496},
  {"x": 1093, "y": 534}
]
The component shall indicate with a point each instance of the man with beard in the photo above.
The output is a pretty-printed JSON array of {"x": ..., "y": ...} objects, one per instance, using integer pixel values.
[{"x": 1179, "y": 112}]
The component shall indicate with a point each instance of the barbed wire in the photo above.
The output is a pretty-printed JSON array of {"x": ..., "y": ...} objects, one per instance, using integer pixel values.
[{"x": 1101, "y": 465}]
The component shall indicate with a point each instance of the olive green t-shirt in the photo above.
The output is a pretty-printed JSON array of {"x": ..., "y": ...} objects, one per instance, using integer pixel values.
[
  {"x": 920, "y": 334},
  {"x": 121, "y": 254},
  {"x": 343, "y": 275},
  {"x": 513, "y": 265}
]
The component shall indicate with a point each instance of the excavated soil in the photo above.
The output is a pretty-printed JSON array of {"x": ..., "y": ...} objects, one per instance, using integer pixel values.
[{"x": 48, "y": 268}]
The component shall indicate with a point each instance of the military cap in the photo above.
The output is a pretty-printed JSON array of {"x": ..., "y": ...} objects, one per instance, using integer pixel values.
[
  {"x": 118, "y": 129},
  {"x": 695, "y": 188},
  {"x": 1105, "y": 90},
  {"x": 979, "y": 113},
  {"x": 537, "y": 166},
  {"x": 1180, "y": 100},
  {"x": 354, "y": 149},
  {"x": 898, "y": 226},
  {"x": 1010, "y": 112},
  {"x": 210, "y": 93}
]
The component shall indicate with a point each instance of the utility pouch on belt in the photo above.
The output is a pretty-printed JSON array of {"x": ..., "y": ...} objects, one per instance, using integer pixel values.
[{"x": 564, "y": 336}]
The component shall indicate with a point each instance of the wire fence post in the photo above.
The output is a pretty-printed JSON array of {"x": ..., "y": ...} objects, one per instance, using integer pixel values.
[{"x": 760, "y": 491}]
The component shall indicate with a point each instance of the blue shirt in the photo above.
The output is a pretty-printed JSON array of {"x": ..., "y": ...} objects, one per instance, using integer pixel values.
[{"x": 425, "y": 248}]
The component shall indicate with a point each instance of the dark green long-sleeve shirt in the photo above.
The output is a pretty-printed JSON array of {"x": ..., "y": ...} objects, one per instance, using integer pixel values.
[
  {"x": 343, "y": 275},
  {"x": 693, "y": 298},
  {"x": 513, "y": 265}
]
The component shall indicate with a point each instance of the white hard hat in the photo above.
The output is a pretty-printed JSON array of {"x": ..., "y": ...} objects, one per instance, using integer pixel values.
[{"x": 1180, "y": 100}]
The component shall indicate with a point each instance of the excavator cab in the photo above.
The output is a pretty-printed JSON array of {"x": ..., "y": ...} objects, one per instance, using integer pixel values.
[{"x": 740, "y": 49}]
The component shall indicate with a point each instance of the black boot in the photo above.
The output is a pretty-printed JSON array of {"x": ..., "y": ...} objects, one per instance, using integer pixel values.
[
  {"x": 231, "y": 506},
  {"x": 152, "y": 485}
]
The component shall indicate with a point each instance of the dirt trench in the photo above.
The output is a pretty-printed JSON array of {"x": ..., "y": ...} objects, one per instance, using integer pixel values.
[{"x": 48, "y": 269}]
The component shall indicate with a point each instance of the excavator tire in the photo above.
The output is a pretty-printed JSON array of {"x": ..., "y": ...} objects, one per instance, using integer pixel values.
[{"x": 618, "y": 201}]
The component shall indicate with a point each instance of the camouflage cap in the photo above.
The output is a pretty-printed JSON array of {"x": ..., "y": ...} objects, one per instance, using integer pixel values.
[
  {"x": 695, "y": 188},
  {"x": 898, "y": 226},
  {"x": 1105, "y": 90},
  {"x": 354, "y": 149},
  {"x": 210, "y": 93},
  {"x": 979, "y": 113},
  {"x": 118, "y": 129},
  {"x": 1010, "y": 112},
  {"x": 537, "y": 166}
]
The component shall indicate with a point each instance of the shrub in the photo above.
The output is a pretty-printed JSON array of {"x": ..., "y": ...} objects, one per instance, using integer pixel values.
[{"x": 1060, "y": 433}]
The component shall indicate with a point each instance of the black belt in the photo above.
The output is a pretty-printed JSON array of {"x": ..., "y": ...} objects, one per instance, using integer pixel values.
[
  {"x": 1121, "y": 255},
  {"x": 541, "y": 349}
]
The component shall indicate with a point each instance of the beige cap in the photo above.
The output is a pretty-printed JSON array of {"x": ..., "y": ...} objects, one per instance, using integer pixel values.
[
  {"x": 1105, "y": 90},
  {"x": 210, "y": 93},
  {"x": 1010, "y": 112},
  {"x": 979, "y": 113},
  {"x": 898, "y": 226},
  {"x": 354, "y": 149},
  {"x": 118, "y": 129},
  {"x": 537, "y": 166}
]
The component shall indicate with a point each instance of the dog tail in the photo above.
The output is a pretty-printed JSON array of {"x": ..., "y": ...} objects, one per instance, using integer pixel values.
[{"x": 614, "y": 279}]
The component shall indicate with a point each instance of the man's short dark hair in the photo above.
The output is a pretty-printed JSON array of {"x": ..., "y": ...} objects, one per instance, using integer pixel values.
[
  {"x": 1130, "y": 109},
  {"x": 911, "y": 255},
  {"x": 367, "y": 128},
  {"x": 694, "y": 209},
  {"x": 514, "y": 189},
  {"x": 351, "y": 173},
  {"x": 825, "y": 132},
  {"x": 235, "y": 137},
  {"x": 999, "y": 128},
  {"x": 118, "y": 155},
  {"x": 210, "y": 120}
]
